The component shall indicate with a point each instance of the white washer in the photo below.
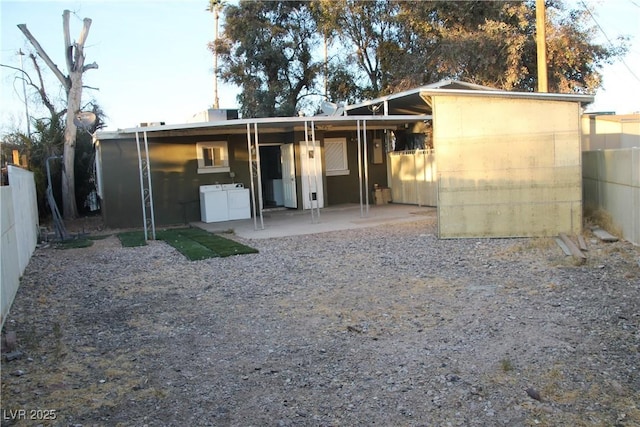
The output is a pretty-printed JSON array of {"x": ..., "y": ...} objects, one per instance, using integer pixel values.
[{"x": 213, "y": 204}]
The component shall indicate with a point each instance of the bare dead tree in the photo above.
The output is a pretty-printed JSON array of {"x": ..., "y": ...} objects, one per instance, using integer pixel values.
[{"x": 74, "y": 57}]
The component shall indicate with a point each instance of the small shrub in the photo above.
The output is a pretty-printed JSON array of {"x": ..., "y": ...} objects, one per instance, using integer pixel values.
[
  {"x": 130, "y": 239},
  {"x": 506, "y": 365},
  {"x": 74, "y": 244},
  {"x": 602, "y": 219}
]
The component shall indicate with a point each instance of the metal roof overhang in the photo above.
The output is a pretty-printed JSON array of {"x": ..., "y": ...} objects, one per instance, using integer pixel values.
[
  {"x": 267, "y": 125},
  {"x": 419, "y": 100}
]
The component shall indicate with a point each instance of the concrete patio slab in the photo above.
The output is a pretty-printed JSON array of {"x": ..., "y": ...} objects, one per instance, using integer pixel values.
[{"x": 290, "y": 222}]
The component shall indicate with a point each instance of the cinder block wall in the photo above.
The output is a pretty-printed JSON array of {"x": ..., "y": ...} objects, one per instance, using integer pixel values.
[
  {"x": 19, "y": 218},
  {"x": 611, "y": 181}
]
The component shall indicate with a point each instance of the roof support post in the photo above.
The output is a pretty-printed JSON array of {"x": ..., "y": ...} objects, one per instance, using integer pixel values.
[
  {"x": 253, "y": 192},
  {"x": 253, "y": 152},
  {"x": 259, "y": 173},
  {"x": 306, "y": 161},
  {"x": 366, "y": 166},
  {"x": 415, "y": 174},
  {"x": 315, "y": 168},
  {"x": 359, "y": 167}
]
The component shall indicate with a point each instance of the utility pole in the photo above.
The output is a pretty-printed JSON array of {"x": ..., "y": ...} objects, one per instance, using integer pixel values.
[
  {"x": 24, "y": 93},
  {"x": 541, "y": 47},
  {"x": 214, "y": 6}
]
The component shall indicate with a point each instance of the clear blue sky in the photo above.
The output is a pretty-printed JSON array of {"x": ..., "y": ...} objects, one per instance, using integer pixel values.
[{"x": 155, "y": 65}]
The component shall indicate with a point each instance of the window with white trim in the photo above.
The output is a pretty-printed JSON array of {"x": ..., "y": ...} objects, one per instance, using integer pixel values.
[
  {"x": 335, "y": 152},
  {"x": 213, "y": 157}
]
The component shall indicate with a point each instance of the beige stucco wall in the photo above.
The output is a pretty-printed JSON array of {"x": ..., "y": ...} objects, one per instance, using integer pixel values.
[
  {"x": 603, "y": 132},
  {"x": 507, "y": 167}
]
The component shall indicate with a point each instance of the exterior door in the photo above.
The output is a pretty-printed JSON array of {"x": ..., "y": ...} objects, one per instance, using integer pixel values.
[
  {"x": 311, "y": 175},
  {"x": 288, "y": 176}
]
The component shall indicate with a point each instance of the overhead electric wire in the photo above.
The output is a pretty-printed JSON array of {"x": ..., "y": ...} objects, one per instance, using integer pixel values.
[{"x": 608, "y": 39}]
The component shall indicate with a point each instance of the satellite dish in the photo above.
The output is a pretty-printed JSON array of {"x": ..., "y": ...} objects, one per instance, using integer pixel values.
[
  {"x": 331, "y": 109},
  {"x": 85, "y": 120},
  {"x": 328, "y": 108}
]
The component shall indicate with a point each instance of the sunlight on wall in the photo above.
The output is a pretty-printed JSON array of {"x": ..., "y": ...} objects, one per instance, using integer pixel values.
[{"x": 507, "y": 167}]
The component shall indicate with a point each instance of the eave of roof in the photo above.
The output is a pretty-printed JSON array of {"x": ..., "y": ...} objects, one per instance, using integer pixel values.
[
  {"x": 409, "y": 100},
  {"x": 266, "y": 125}
]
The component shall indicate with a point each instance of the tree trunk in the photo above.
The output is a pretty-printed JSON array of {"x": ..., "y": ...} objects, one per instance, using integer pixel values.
[
  {"x": 74, "y": 56},
  {"x": 69, "y": 205}
]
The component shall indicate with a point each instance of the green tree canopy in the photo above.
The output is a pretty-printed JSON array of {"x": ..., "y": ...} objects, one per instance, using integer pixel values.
[
  {"x": 385, "y": 46},
  {"x": 267, "y": 50}
]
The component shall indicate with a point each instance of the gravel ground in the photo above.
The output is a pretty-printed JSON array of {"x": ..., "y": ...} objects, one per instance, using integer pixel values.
[{"x": 383, "y": 326}]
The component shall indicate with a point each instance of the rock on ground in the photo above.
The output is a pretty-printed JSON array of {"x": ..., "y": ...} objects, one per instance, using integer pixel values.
[{"x": 383, "y": 326}]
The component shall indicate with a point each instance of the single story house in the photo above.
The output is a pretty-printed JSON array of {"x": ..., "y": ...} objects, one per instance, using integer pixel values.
[{"x": 495, "y": 163}]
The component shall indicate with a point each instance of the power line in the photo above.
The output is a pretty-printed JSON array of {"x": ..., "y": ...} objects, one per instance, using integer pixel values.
[{"x": 608, "y": 39}]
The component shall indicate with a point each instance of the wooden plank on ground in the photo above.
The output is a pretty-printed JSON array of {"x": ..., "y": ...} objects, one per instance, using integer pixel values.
[
  {"x": 581, "y": 243},
  {"x": 573, "y": 248},
  {"x": 603, "y": 235},
  {"x": 564, "y": 247}
]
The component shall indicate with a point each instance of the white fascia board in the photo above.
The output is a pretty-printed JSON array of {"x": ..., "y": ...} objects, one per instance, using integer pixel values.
[{"x": 517, "y": 95}]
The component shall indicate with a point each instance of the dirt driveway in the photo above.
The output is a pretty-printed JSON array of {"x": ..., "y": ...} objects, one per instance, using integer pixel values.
[{"x": 381, "y": 326}]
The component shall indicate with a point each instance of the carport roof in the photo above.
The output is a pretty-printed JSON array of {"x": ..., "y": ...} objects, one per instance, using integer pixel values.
[{"x": 267, "y": 125}]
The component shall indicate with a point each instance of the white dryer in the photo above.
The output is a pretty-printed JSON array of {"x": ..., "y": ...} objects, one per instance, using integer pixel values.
[{"x": 238, "y": 201}]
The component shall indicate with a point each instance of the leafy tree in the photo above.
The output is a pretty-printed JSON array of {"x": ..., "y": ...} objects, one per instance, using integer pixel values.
[
  {"x": 485, "y": 42},
  {"x": 267, "y": 50},
  {"x": 367, "y": 32},
  {"x": 47, "y": 140},
  {"x": 476, "y": 41},
  {"x": 384, "y": 46}
]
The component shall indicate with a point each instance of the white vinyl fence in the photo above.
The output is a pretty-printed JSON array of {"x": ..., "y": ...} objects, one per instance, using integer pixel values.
[
  {"x": 611, "y": 182},
  {"x": 412, "y": 177},
  {"x": 19, "y": 217}
]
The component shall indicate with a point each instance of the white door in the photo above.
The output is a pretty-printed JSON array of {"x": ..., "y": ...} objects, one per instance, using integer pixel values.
[
  {"x": 288, "y": 175},
  {"x": 311, "y": 175}
]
